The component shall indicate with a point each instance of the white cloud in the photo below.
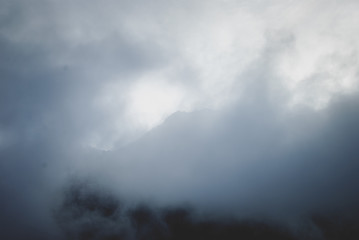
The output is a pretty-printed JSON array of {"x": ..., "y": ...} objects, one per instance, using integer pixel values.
[{"x": 152, "y": 99}]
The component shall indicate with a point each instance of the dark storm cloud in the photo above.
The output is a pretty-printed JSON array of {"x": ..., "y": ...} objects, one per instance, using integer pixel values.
[
  {"x": 253, "y": 158},
  {"x": 87, "y": 212}
]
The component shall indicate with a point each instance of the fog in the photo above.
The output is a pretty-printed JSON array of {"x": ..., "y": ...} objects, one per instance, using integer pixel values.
[{"x": 179, "y": 119}]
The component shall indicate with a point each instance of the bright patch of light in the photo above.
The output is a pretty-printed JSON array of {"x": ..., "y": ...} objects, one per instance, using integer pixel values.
[{"x": 151, "y": 101}]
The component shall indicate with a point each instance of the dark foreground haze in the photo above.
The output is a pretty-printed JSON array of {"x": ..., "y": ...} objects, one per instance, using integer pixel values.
[{"x": 87, "y": 213}]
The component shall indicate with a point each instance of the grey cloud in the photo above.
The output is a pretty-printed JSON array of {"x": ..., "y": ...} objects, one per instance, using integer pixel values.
[
  {"x": 47, "y": 92},
  {"x": 253, "y": 158},
  {"x": 218, "y": 170},
  {"x": 245, "y": 165},
  {"x": 51, "y": 79}
]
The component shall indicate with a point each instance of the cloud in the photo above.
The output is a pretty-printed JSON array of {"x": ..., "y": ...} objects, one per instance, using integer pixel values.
[
  {"x": 89, "y": 213},
  {"x": 247, "y": 108}
]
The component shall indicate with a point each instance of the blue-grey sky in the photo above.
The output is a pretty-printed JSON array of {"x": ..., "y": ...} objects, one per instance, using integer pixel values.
[{"x": 248, "y": 108}]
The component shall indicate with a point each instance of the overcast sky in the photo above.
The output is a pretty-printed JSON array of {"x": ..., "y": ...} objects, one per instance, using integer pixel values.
[{"x": 241, "y": 107}]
